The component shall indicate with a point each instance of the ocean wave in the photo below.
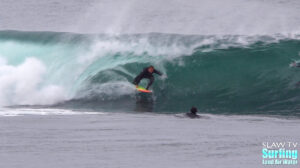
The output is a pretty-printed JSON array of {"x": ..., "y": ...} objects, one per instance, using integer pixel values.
[{"x": 228, "y": 73}]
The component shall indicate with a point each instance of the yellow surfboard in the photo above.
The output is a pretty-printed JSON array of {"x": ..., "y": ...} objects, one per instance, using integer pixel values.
[{"x": 141, "y": 89}]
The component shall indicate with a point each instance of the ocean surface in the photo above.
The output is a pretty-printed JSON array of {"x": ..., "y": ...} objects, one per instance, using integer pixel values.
[
  {"x": 67, "y": 98},
  {"x": 147, "y": 140}
]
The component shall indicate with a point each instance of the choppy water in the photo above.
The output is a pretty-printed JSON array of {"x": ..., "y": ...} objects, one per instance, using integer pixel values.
[{"x": 138, "y": 140}]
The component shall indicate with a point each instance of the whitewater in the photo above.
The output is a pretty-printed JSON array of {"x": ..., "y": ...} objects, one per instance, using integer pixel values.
[{"x": 67, "y": 98}]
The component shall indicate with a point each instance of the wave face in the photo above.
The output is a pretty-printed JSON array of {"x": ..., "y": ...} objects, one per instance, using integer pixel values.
[{"x": 218, "y": 74}]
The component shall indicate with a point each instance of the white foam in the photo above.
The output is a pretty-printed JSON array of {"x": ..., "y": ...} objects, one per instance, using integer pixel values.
[
  {"x": 29, "y": 111},
  {"x": 22, "y": 84}
]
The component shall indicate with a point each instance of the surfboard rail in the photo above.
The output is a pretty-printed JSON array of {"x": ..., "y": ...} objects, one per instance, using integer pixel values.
[{"x": 141, "y": 89}]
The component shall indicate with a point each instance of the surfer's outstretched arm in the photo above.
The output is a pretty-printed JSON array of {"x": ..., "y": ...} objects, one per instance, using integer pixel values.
[{"x": 157, "y": 72}]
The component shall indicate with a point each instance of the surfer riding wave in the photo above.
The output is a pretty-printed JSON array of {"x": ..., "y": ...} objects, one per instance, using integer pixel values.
[{"x": 146, "y": 73}]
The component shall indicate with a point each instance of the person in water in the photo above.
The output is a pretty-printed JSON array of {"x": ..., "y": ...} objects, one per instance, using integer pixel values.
[
  {"x": 193, "y": 113},
  {"x": 146, "y": 73}
]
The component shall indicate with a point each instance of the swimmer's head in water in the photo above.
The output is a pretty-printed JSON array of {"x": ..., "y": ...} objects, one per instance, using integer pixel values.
[{"x": 194, "y": 110}]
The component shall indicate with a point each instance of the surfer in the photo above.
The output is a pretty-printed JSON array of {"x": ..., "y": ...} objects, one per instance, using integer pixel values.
[
  {"x": 296, "y": 64},
  {"x": 146, "y": 73},
  {"x": 193, "y": 113}
]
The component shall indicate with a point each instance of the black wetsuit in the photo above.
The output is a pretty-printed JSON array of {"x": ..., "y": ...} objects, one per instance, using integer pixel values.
[
  {"x": 192, "y": 115},
  {"x": 146, "y": 74}
]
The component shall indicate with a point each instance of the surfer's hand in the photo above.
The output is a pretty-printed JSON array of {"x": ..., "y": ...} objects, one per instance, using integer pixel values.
[
  {"x": 293, "y": 64},
  {"x": 136, "y": 86},
  {"x": 164, "y": 76}
]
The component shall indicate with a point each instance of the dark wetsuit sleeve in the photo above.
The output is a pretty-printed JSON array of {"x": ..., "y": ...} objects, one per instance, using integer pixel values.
[{"x": 157, "y": 72}]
